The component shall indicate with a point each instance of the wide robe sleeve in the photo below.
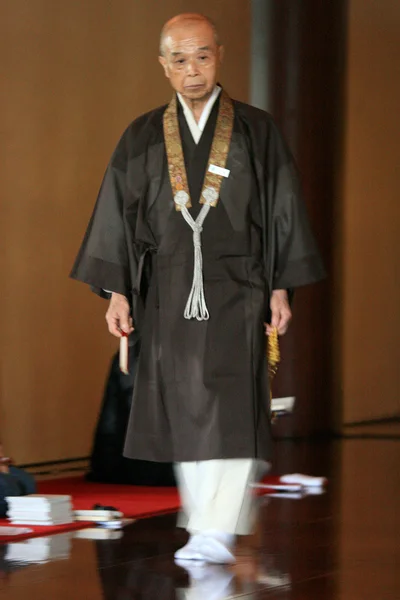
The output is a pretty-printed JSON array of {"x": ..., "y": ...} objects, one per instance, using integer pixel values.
[
  {"x": 295, "y": 259},
  {"x": 104, "y": 261}
]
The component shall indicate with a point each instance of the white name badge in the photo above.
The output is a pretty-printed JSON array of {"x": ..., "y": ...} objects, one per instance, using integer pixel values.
[{"x": 219, "y": 171}]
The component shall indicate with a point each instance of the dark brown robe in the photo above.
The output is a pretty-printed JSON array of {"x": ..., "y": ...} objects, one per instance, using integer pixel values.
[{"x": 201, "y": 390}]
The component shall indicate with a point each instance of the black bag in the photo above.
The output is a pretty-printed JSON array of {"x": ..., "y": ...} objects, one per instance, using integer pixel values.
[{"x": 107, "y": 464}]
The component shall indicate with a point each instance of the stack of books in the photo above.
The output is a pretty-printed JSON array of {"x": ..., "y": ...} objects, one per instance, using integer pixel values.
[{"x": 36, "y": 509}]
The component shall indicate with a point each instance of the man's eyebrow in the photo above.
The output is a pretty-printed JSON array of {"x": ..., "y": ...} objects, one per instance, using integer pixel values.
[{"x": 202, "y": 49}]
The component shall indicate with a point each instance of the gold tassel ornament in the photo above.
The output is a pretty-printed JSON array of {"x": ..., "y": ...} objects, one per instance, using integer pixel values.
[{"x": 274, "y": 358}]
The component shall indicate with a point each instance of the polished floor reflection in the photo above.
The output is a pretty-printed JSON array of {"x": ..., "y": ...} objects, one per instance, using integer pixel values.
[{"x": 343, "y": 545}]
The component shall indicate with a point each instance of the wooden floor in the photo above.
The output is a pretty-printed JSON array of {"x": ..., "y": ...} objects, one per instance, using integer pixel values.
[{"x": 343, "y": 545}]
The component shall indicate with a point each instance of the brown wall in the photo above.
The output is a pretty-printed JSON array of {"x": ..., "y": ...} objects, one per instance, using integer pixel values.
[
  {"x": 370, "y": 350},
  {"x": 74, "y": 75}
]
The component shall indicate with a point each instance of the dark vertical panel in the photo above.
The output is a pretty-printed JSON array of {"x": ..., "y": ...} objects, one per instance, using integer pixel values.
[{"x": 307, "y": 50}]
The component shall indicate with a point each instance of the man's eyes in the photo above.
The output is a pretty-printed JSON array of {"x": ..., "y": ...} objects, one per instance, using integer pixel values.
[{"x": 181, "y": 61}]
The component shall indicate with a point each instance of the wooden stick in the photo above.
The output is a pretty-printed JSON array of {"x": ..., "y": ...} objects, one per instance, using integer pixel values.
[{"x": 123, "y": 354}]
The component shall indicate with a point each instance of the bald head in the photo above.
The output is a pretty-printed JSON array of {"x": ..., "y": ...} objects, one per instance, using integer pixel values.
[
  {"x": 191, "y": 55},
  {"x": 184, "y": 20}
]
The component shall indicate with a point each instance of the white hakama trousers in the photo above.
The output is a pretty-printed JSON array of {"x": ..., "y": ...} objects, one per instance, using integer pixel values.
[{"x": 216, "y": 495}]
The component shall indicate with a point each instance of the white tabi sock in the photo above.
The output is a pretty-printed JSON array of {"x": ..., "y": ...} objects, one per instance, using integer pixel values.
[
  {"x": 190, "y": 550},
  {"x": 227, "y": 539},
  {"x": 216, "y": 547}
]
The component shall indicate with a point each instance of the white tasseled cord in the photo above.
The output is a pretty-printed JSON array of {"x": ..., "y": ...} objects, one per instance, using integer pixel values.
[{"x": 196, "y": 307}]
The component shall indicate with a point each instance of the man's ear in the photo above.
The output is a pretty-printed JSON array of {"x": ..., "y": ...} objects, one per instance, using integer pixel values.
[
  {"x": 163, "y": 62},
  {"x": 221, "y": 53}
]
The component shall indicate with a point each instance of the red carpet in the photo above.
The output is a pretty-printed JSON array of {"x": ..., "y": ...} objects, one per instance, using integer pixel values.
[{"x": 133, "y": 501}]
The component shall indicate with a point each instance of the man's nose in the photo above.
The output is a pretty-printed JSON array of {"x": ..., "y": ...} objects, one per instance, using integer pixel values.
[{"x": 191, "y": 67}]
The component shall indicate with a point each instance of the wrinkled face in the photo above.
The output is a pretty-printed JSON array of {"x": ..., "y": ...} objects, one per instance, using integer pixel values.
[{"x": 191, "y": 59}]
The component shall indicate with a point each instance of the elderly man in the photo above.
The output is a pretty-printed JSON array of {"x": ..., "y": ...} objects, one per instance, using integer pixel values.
[{"x": 198, "y": 233}]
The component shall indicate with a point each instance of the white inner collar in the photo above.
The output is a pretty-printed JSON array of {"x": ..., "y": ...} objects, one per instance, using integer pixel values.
[{"x": 196, "y": 129}]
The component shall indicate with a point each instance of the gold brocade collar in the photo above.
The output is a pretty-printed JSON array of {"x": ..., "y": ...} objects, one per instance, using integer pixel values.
[{"x": 217, "y": 159}]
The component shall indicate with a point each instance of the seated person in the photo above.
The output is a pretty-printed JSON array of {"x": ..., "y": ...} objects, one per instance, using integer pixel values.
[{"x": 13, "y": 482}]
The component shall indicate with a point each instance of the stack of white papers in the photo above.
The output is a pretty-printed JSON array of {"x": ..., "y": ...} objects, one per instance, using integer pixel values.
[
  {"x": 38, "y": 509},
  {"x": 98, "y": 516},
  {"x": 294, "y": 486},
  {"x": 306, "y": 481},
  {"x": 282, "y": 406},
  {"x": 40, "y": 549}
]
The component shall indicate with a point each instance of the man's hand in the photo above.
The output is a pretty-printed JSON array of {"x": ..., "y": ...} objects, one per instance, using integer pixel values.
[
  {"x": 118, "y": 317},
  {"x": 281, "y": 315}
]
